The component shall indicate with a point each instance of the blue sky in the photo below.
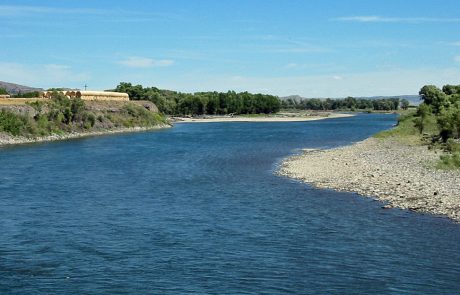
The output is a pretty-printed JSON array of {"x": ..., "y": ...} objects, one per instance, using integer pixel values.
[{"x": 316, "y": 48}]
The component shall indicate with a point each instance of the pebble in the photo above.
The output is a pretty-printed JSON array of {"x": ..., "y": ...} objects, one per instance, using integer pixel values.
[{"x": 384, "y": 169}]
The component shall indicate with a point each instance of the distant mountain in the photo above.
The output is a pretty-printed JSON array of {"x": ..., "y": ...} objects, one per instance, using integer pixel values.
[
  {"x": 293, "y": 97},
  {"x": 413, "y": 99},
  {"x": 16, "y": 88}
]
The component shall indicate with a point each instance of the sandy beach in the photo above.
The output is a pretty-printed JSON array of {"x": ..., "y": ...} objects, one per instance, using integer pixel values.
[
  {"x": 288, "y": 117},
  {"x": 400, "y": 175}
]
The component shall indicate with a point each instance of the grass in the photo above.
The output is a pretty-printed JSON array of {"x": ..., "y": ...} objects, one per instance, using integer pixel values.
[
  {"x": 406, "y": 132},
  {"x": 18, "y": 101},
  {"x": 449, "y": 162}
]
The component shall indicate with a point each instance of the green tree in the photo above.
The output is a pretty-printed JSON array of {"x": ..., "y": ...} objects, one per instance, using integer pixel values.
[
  {"x": 404, "y": 104},
  {"x": 449, "y": 122},
  {"x": 212, "y": 105},
  {"x": 350, "y": 102},
  {"x": 171, "y": 102},
  {"x": 3, "y": 91},
  {"x": 423, "y": 112},
  {"x": 431, "y": 95},
  {"x": 451, "y": 89},
  {"x": 77, "y": 108}
]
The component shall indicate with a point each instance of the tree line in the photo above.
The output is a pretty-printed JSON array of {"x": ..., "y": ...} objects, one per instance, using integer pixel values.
[
  {"x": 349, "y": 103},
  {"x": 230, "y": 102},
  {"x": 203, "y": 103}
]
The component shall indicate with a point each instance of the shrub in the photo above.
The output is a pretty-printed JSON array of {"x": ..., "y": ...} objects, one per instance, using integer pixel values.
[
  {"x": 36, "y": 105},
  {"x": 88, "y": 120},
  {"x": 12, "y": 123},
  {"x": 77, "y": 108}
]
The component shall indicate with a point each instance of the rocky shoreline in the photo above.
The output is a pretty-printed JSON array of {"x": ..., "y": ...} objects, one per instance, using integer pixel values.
[
  {"x": 400, "y": 175},
  {"x": 6, "y": 139}
]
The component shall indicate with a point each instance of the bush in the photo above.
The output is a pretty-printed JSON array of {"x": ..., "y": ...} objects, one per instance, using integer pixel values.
[
  {"x": 134, "y": 115},
  {"x": 88, "y": 120},
  {"x": 13, "y": 123},
  {"x": 37, "y": 105},
  {"x": 61, "y": 115},
  {"x": 77, "y": 107}
]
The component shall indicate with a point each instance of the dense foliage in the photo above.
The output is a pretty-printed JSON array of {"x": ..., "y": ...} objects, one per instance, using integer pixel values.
[
  {"x": 3, "y": 91},
  {"x": 12, "y": 123},
  {"x": 212, "y": 103},
  {"x": 436, "y": 121},
  {"x": 444, "y": 105},
  {"x": 33, "y": 94},
  {"x": 349, "y": 103},
  {"x": 200, "y": 103},
  {"x": 63, "y": 115}
]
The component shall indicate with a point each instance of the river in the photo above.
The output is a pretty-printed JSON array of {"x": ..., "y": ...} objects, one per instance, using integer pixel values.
[{"x": 199, "y": 209}]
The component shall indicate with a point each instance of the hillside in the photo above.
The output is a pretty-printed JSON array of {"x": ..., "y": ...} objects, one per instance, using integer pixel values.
[
  {"x": 16, "y": 88},
  {"x": 39, "y": 120}
]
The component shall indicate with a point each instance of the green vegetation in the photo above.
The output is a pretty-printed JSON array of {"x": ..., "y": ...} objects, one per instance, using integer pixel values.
[
  {"x": 3, "y": 91},
  {"x": 436, "y": 122},
  {"x": 63, "y": 115},
  {"x": 133, "y": 115},
  {"x": 452, "y": 159},
  {"x": 346, "y": 104},
  {"x": 33, "y": 94},
  {"x": 13, "y": 124},
  {"x": 404, "y": 104},
  {"x": 203, "y": 103},
  {"x": 405, "y": 130},
  {"x": 221, "y": 103}
]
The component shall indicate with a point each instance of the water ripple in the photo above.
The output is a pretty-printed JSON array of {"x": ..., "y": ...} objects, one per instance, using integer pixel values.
[{"x": 197, "y": 209}]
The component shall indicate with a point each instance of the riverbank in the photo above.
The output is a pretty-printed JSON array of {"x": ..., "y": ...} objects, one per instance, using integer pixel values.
[
  {"x": 6, "y": 139},
  {"x": 385, "y": 169},
  {"x": 61, "y": 118},
  {"x": 281, "y": 117}
]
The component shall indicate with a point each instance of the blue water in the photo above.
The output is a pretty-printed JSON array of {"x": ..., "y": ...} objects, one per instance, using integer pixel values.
[{"x": 198, "y": 209}]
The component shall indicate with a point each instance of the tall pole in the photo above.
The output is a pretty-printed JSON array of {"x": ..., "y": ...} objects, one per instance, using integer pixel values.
[{"x": 86, "y": 86}]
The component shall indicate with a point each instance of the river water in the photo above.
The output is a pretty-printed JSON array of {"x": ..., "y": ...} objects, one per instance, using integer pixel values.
[{"x": 198, "y": 209}]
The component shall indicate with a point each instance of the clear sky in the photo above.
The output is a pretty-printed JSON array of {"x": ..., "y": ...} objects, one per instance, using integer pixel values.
[{"x": 314, "y": 48}]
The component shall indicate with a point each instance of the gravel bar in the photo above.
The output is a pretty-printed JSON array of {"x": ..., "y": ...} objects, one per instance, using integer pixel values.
[{"x": 400, "y": 175}]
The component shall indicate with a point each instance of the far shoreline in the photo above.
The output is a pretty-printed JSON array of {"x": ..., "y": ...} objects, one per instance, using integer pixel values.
[
  {"x": 9, "y": 140},
  {"x": 267, "y": 118}
]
